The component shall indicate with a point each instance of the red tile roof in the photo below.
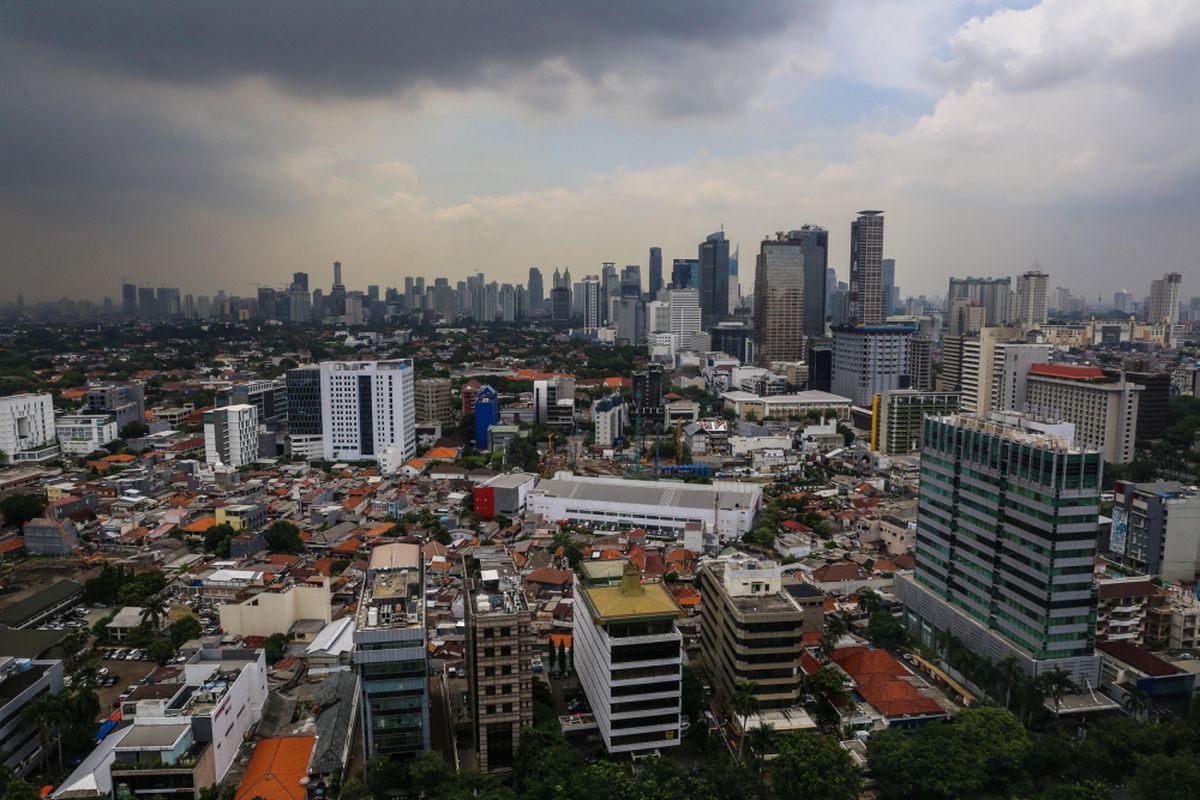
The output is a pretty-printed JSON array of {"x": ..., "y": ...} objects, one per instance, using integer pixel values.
[
  {"x": 548, "y": 575},
  {"x": 881, "y": 682},
  {"x": 275, "y": 769},
  {"x": 1066, "y": 371},
  {"x": 1139, "y": 658}
]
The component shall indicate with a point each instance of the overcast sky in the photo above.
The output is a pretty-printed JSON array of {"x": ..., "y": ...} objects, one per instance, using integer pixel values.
[{"x": 217, "y": 144}]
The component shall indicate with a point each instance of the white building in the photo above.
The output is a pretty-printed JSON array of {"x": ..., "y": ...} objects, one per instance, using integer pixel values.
[
  {"x": 785, "y": 406},
  {"x": 1164, "y": 299},
  {"x": 1010, "y": 371},
  {"x": 368, "y": 407},
  {"x": 27, "y": 428},
  {"x": 684, "y": 313},
  {"x": 628, "y": 654},
  {"x": 1030, "y": 304},
  {"x": 271, "y": 611},
  {"x": 727, "y": 507},
  {"x": 554, "y": 401},
  {"x": 869, "y": 359},
  {"x": 658, "y": 316},
  {"x": 610, "y": 415},
  {"x": 231, "y": 435},
  {"x": 1103, "y": 411},
  {"x": 81, "y": 434}
]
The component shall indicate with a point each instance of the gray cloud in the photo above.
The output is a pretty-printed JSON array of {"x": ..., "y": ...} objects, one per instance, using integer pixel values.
[{"x": 379, "y": 47}]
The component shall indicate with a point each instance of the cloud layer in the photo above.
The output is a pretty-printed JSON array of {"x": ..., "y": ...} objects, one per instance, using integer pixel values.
[{"x": 215, "y": 145}]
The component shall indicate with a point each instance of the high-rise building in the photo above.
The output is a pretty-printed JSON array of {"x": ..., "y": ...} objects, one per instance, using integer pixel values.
[
  {"x": 685, "y": 314},
  {"x": 390, "y": 653},
  {"x": 991, "y": 294},
  {"x": 147, "y": 305},
  {"x": 630, "y": 321},
  {"x": 735, "y": 288},
  {"x": 1156, "y": 529},
  {"x": 629, "y": 658},
  {"x": 685, "y": 273},
  {"x": 610, "y": 415},
  {"x": 631, "y": 281},
  {"x": 1103, "y": 411},
  {"x": 368, "y": 410},
  {"x": 487, "y": 414},
  {"x": 658, "y": 316},
  {"x": 714, "y": 279},
  {"x": 433, "y": 403},
  {"x": 656, "y": 273},
  {"x": 1164, "y": 299},
  {"x": 500, "y": 645},
  {"x": 869, "y": 359},
  {"x": 560, "y": 304},
  {"x": 1007, "y": 521},
  {"x": 1010, "y": 372},
  {"x": 27, "y": 431},
  {"x": 536, "y": 289},
  {"x": 648, "y": 387},
  {"x": 867, "y": 301},
  {"x": 554, "y": 401},
  {"x": 300, "y": 281},
  {"x": 820, "y": 366},
  {"x": 593, "y": 300},
  {"x": 129, "y": 299},
  {"x": 269, "y": 398},
  {"x": 898, "y": 416},
  {"x": 303, "y": 388},
  {"x": 1030, "y": 299},
  {"x": 752, "y": 629},
  {"x": 231, "y": 435},
  {"x": 920, "y": 362},
  {"x": 1123, "y": 301},
  {"x": 891, "y": 292},
  {"x": 789, "y": 292},
  {"x": 125, "y": 401},
  {"x": 734, "y": 338}
]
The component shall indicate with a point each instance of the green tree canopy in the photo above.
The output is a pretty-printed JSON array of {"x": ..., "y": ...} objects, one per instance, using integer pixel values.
[
  {"x": 21, "y": 507},
  {"x": 811, "y": 765},
  {"x": 283, "y": 537}
]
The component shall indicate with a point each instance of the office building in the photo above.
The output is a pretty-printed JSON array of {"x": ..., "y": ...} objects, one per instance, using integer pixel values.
[
  {"x": 300, "y": 281},
  {"x": 560, "y": 304},
  {"x": 1103, "y": 411},
  {"x": 487, "y": 414},
  {"x": 752, "y": 629},
  {"x": 656, "y": 273},
  {"x": 433, "y": 403},
  {"x": 629, "y": 658},
  {"x": 1123, "y": 301},
  {"x": 124, "y": 401},
  {"x": 728, "y": 508},
  {"x": 1030, "y": 299},
  {"x": 537, "y": 290},
  {"x": 820, "y": 366},
  {"x": 714, "y": 279},
  {"x": 500, "y": 646},
  {"x": 968, "y": 361},
  {"x": 630, "y": 321},
  {"x": 302, "y": 387},
  {"x": 685, "y": 315},
  {"x": 1007, "y": 522},
  {"x": 789, "y": 292},
  {"x": 648, "y": 385},
  {"x": 685, "y": 274},
  {"x": 990, "y": 294},
  {"x": 867, "y": 301},
  {"x": 22, "y": 680},
  {"x": 1164, "y": 300},
  {"x": 554, "y": 401},
  {"x": 891, "y": 292},
  {"x": 898, "y": 416},
  {"x": 1156, "y": 529},
  {"x": 1010, "y": 374},
  {"x": 269, "y": 398},
  {"x": 82, "y": 434},
  {"x": 27, "y": 429},
  {"x": 368, "y": 411},
  {"x": 610, "y": 416},
  {"x": 593, "y": 302},
  {"x": 1154, "y": 401},
  {"x": 869, "y": 359},
  {"x": 658, "y": 316},
  {"x": 920, "y": 362},
  {"x": 231, "y": 435},
  {"x": 735, "y": 339},
  {"x": 390, "y": 652}
]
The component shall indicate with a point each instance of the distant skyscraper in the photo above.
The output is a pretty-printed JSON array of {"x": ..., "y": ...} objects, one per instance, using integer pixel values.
[
  {"x": 631, "y": 281},
  {"x": 537, "y": 291},
  {"x": 789, "y": 293},
  {"x": 867, "y": 300},
  {"x": 831, "y": 285},
  {"x": 129, "y": 299},
  {"x": 337, "y": 274},
  {"x": 592, "y": 298},
  {"x": 735, "y": 289},
  {"x": 990, "y": 293},
  {"x": 891, "y": 293},
  {"x": 1030, "y": 299},
  {"x": 300, "y": 280},
  {"x": 685, "y": 273},
  {"x": 1123, "y": 301},
  {"x": 1164, "y": 299},
  {"x": 656, "y": 276},
  {"x": 714, "y": 279}
]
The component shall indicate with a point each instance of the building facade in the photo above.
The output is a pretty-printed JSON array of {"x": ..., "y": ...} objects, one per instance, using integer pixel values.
[
  {"x": 1030, "y": 301},
  {"x": 867, "y": 300},
  {"x": 27, "y": 429},
  {"x": 869, "y": 359},
  {"x": 433, "y": 402},
  {"x": 714, "y": 279},
  {"x": 231, "y": 435},
  {"x": 1156, "y": 528},
  {"x": 1104, "y": 412},
  {"x": 81, "y": 434},
  {"x": 368, "y": 411},
  {"x": 1164, "y": 299},
  {"x": 898, "y": 416},
  {"x": 789, "y": 276},
  {"x": 1007, "y": 522}
]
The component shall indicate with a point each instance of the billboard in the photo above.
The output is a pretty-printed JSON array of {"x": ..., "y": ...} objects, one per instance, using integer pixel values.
[{"x": 1120, "y": 530}]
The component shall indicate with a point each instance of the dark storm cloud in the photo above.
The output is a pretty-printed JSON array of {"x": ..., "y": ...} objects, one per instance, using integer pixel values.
[{"x": 377, "y": 47}]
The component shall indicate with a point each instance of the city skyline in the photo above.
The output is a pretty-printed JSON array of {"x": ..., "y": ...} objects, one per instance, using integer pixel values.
[{"x": 136, "y": 153}]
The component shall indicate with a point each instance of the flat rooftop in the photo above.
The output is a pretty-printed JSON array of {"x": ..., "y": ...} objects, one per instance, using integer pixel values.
[
  {"x": 616, "y": 491},
  {"x": 624, "y": 601},
  {"x": 154, "y": 737}
]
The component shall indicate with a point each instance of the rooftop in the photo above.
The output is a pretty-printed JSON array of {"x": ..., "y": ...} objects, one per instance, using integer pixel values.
[
  {"x": 276, "y": 769},
  {"x": 631, "y": 599},
  {"x": 666, "y": 494},
  {"x": 1067, "y": 372},
  {"x": 154, "y": 737}
]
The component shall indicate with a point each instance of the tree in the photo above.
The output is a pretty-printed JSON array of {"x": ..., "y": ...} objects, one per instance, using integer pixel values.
[
  {"x": 20, "y": 508},
  {"x": 154, "y": 609},
  {"x": 184, "y": 630},
  {"x": 1057, "y": 684},
  {"x": 552, "y": 656},
  {"x": 744, "y": 704},
  {"x": 46, "y": 713},
  {"x": 884, "y": 630},
  {"x": 1163, "y": 777},
  {"x": 275, "y": 647},
  {"x": 217, "y": 538},
  {"x": 134, "y": 429},
  {"x": 284, "y": 537},
  {"x": 20, "y": 789},
  {"x": 161, "y": 650},
  {"x": 814, "y": 766},
  {"x": 562, "y": 656},
  {"x": 691, "y": 693}
]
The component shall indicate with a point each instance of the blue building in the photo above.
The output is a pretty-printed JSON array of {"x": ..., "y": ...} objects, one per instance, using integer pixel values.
[{"x": 487, "y": 413}]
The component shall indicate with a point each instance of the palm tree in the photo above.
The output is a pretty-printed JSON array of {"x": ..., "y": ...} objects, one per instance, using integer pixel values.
[
  {"x": 1136, "y": 703},
  {"x": 46, "y": 712},
  {"x": 744, "y": 704},
  {"x": 154, "y": 610},
  {"x": 763, "y": 737},
  {"x": 1010, "y": 674},
  {"x": 1057, "y": 684},
  {"x": 1032, "y": 693}
]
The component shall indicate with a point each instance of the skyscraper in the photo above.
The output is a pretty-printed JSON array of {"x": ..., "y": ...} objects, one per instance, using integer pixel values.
[
  {"x": 592, "y": 300},
  {"x": 129, "y": 300},
  {"x": 867, "y": 301},
  {"x": 631, "y": 281},
  {"x": 779, "y": 294},
  {"x": 231, "y": 435},
  {"x": 1030, "y": 299},
  {"x": 714, "y": 279},
  {"x": 890, "y": 291},
  {"x": 685, "y": 273},
  {"x": 369, "y": 411},
  {"x": 537, "y": 290},
  {"x": 300, "y": 280},
  {"x": 989, "y": 293},
  {"x": 1007, "y": 522},
  {"x": 1164, "y": 299},
  {"x": 656, "y": 276}
]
